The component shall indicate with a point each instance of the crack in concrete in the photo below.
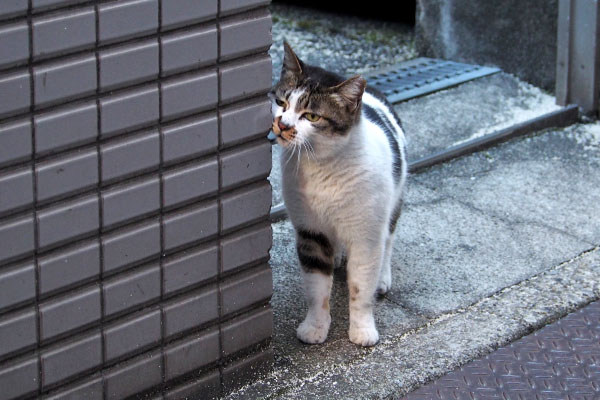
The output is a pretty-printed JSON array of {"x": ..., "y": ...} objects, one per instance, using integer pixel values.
[{"x": 509, "y": 220}]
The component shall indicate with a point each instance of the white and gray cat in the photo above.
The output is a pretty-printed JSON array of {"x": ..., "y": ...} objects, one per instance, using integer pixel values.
[{"x": 344, "y": 171}]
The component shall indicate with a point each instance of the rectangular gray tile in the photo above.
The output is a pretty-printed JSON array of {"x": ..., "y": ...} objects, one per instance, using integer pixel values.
[
  {"x": 190, "y": 225},
  {"x": 11, "y": 8},
  {"x": 132, "y": 335},
  {"x": 245, "y": 165},
  {"x": 70, "y": 358},
  {"x": 246, "y": 79},
  {"x": 40, "y": 5},
  {"x": 69, "y": 266},
  {"x": 189, "y": 94},
  {"x": 233, "y": 6},
  {"x": 189, "y": 268},
  {"x": 68, "y": 221},
  {"x": 15, "y": 142},
  {"x": 245, "y": 122},
  {"x": 64, "y": 80},
  {"x": 64, "y": 32},
  {"x": 130, "y": 201},
  {"x": 246, "y": 247},
  {"x": 245, "y": 34},
  {"x": 243, "y": 207},
  {"x": 190, "y": 138},
  {"x": 130, "y": 245},
  {"x": 17, "y": 189},
  {"x": 18, "y": 331},
  {"x": 17, "y": 284},
  {"x": 128, "y": 64},
  {"x": 14, "y": 44},
  {"x": 121, "y": 20},
  {"x": 190, "y": 182},
  {"x": 132, "y": 289},
  {"x": 129, "y": 110},
  {"x": 134, "y": 376},
  {"x": 19, "y": 377},
  {"x": 69, "y": 312},
  {"x": 191, "y": 353},
  {"x": 243, "y": 290},
  {"x": 66, "y": 127},
  {"x": 67, "y": 174},
  {"x": 247, "y": 330},
  {"x": 191, "y": 311},
  {"x": 206, "y": 387},
  {"x": 16, "y": 237},
  {"x": 186, "y": 50},
  {"x": 186, "y": 12},
  {"x": 130, "y": 156},
  {"x": 15, "y": 89},
  {"x": 89, "y": 389}
]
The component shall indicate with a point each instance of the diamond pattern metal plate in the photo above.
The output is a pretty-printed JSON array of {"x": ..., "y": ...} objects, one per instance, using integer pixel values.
[
  {"x": 422, "y": 76},
  {"x": 560, "y": 361}
]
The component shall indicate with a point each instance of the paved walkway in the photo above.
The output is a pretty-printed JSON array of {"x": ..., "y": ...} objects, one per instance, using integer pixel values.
[{"x": 560, "y": 361}]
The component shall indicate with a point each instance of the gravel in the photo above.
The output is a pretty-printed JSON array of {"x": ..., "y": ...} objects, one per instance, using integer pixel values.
[{"x": 344, "y": 44}]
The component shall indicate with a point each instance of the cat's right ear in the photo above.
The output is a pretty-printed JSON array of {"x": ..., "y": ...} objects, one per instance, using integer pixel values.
[{"x": 291, "y": 63}]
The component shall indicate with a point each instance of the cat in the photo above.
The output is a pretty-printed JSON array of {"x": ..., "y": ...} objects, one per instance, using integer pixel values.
[{"x": 343, "y": 176}]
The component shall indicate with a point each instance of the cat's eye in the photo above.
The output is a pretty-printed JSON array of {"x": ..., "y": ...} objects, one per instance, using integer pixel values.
[
  {"x": 312, "y": 117},
  {"x": 280, "y": 102}
]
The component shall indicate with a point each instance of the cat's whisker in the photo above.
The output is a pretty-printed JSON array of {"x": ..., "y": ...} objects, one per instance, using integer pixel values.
[
  {"x": 291, "y": 154},
  {"x": 312, "y": 150},
  {"x": 298, "y": 158}
]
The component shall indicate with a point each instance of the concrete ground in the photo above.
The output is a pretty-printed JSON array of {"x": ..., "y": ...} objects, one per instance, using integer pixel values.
[{"x": 489, "y": 247}]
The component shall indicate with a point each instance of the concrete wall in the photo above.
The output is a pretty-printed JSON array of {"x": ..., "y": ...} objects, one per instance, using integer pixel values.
[
  {"x": 517, "y": 36},
  {"x": 134, "y": 231}
]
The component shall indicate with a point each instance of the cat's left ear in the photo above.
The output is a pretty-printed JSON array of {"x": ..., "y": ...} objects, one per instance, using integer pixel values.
[
  {"x": 351, "y": 90},
  {"x": 291, "y": 62}
]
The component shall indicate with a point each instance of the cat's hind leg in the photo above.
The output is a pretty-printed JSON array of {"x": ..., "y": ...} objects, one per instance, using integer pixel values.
[
  {"x": 385, "y": 278},
  {"x": 316, "y": 255}
]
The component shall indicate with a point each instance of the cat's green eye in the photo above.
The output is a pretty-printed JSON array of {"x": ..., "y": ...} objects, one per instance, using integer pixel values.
[
  {"x": 280, "y": 102},
  {"x": 312, "y": 117}
]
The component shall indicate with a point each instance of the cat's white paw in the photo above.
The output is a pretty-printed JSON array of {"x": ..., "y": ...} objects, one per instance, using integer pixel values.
[
  {"x": 363, "y": 336},
  {"x": 312, "y": 331}
]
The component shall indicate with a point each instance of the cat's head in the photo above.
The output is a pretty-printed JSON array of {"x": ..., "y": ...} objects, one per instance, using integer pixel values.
[{"x": 312, "y": 105}]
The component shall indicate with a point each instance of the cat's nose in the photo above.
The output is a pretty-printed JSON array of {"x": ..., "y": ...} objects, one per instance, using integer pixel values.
[{"x": 282, "y": 126}]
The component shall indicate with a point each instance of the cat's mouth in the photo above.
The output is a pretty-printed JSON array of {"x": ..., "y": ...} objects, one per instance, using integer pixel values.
[{"x": 283, "y": 136}]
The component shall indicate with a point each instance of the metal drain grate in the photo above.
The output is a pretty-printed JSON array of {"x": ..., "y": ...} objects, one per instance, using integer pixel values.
[{"x": 421, "y": 76}]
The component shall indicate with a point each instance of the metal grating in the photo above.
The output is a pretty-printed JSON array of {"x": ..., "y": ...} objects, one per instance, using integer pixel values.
[
  {"x": 422, "y": 76},
  {"x": 560, "y": 361}
]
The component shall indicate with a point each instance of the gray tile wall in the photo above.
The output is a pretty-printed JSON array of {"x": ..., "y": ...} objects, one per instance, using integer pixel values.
[{"x": 134, "y": 229}]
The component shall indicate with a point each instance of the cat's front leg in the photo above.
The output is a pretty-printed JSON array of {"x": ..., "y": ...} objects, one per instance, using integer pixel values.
[
  {"x": 315, "y": 327},
  {"x": 364, "y": 263},
  {"x": 316, "y": 256}
]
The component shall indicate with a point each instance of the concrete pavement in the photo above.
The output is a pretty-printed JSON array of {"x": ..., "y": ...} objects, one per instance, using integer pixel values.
[{"x": 489, "y": 247}]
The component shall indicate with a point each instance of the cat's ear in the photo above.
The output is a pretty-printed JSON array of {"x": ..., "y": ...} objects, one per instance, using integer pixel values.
[
  {"x": 291, "y": 63},
  {"x": 350, "y": 91}
]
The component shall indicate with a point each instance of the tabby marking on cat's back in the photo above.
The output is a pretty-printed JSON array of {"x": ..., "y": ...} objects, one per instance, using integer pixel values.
[{"x": 344, "y": 170}]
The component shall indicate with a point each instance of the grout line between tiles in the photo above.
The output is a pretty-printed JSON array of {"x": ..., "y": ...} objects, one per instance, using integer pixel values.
[
  {"x": 220, "y": 203},
  {"x": 36, "y": 236}
]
